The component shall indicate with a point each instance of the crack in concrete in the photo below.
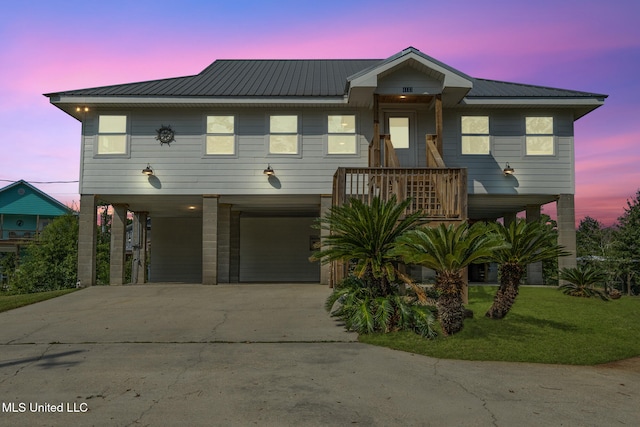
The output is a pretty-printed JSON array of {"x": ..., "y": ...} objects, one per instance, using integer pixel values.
[
  {"x": 186, "y": 368},
  {"x": 466, "y": 390},
  {"x": 225, "y": 315},
  {"x": 30, "y": 362}
]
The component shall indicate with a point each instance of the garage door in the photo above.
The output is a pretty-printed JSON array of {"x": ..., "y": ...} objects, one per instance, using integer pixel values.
[{"x": 277, "y": 250}]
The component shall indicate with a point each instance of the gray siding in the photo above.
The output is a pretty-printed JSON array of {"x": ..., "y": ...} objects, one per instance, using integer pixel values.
[
  {"x": 277, "y": 249},
  {"x": 534, "y": 175},
  {"x": 408, "y": 77},
  {"x": 181, "y": 168},
  {"x": 176, "y": 254}
]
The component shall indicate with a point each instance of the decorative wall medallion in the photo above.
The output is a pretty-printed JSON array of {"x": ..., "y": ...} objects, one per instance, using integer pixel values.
[{"x": 165, "y": 135}]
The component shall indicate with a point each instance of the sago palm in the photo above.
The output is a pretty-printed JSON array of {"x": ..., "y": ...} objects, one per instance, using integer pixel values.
[
  {"x": 526, "y": 243},
  {"x": 581, "y": 281},
  {"x": 366, "y": 234},
  {"x": 448, "y": 250}
]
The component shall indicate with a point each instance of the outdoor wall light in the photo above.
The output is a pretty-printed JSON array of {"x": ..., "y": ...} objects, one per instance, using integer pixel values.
[
  {"x": 147, "y": 171},
  {"x": 508, "y": 170},
  {"x": 269, "y": 171}
]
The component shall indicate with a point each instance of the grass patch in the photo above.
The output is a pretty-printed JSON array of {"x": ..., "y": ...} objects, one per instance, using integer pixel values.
[
  {"x": 544, "y": 326},
  {"x": 9, "y": 302}
]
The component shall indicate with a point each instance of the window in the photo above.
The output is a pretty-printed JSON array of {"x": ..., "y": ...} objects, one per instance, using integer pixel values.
[
  {"x": 112, "y": 135},
  {"x": 221, "y": 139},
  {"x": 399, "y": 131},
  {"x": 475, "y": 135},
  {"x": 341, "y": 135},
  {"x": 283, "y": 138},
  {"x": 539, "y": 138}
]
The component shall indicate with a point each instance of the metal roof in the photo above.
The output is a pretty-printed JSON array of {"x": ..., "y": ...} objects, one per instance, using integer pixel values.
[
  {"x": 298, "y": 78},
  {"x": 245, "y": 78},
  {"x": 483, "y": 88}
]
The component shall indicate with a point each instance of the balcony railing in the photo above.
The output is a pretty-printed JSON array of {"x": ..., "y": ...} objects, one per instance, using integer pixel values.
[
  {"x": 440, "y": 193},
  {"x": 21, "y": 234}
]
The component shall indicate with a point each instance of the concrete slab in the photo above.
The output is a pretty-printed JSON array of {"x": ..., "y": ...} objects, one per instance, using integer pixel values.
[
  {"x": 163, "y": 355},
  {"x": 178, "y": 313}
]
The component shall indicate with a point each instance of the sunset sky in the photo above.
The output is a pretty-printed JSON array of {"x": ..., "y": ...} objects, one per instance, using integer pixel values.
[{"x": 587, "y": 45}]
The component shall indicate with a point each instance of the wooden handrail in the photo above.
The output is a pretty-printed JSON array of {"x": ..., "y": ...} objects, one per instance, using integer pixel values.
[
  {"x": 390, "y": 156},
  {"x": 434, "y": 158},
  {"x": 440, "y": 193}
]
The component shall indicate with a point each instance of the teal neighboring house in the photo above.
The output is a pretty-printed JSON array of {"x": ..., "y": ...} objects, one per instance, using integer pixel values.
[{"x": 24, "y": 212}]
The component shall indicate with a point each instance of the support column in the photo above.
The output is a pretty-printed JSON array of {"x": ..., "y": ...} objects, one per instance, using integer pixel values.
[
  {"x": 224, "y": 243},
  {"x": 139, "y": 247},
  {"x": 210, "y": 240},
  {"x": 87, "y": 238},
  {"x": 509, "y": 217},
  {"x": 234, "y": 261},
  {"x": 567, "y": 230},
  {"x": 534, "y": 271},
  {"x": 118, "y": 237},
  {"x": 325, "y": 269}
]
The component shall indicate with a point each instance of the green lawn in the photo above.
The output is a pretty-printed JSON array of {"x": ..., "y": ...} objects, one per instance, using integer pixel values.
[
  {"x": 8, "y": 302},
  {"x": 544, "y": 326}
]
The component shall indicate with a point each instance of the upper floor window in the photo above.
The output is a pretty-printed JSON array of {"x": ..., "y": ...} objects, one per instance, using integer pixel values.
[
  {"x": 341, "y": 134},
  {"x": 221, "y": 139},
  {"x": 475, "y": 135},
  {"x": 283, "y": 135},
  {"x": 112, "y": 134},
  {"x": 539, "y": 139}
]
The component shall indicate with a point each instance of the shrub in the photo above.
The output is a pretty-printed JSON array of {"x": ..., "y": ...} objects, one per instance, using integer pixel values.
[
  {"x": 364, "y": 312},
  {"x": 581, "y": 282}
]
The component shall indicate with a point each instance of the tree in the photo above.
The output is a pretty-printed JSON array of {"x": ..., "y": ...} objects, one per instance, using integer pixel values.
[
  {"x": 594, "y": 247},
  {"x": 550, "y": 266},
  {"x": 448, "y": 250},
  {"x": 367, "y": 234},
  {"x": 50, "y": 262},
  {"x": 627, "y": 246},
  {"x": 526, "y": 243}
]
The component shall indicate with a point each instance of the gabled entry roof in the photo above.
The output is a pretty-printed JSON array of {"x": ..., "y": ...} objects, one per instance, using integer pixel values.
[{"x": 312, "y": 81}]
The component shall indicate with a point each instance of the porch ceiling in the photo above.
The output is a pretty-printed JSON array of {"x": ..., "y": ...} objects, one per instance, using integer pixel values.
[
  {"x": 483, "y": 206},
  {"x": 191, "y": 205}
]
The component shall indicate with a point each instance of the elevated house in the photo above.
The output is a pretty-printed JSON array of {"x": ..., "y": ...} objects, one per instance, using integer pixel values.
[
  {"x": 234, "y": 164},
  {"x": 24, "y": 212}
]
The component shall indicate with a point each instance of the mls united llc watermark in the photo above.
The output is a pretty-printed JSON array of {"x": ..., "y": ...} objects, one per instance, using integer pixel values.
[{"x": 45, "y": 407}]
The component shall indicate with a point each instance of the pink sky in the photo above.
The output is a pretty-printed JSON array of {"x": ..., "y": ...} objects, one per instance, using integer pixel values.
[{"x": 588, "y": 45}]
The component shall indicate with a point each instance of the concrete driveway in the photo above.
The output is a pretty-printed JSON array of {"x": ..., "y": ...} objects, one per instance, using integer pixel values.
[{"x": 267, "y": 355}]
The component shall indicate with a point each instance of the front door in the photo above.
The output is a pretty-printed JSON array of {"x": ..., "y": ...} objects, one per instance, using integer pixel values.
[{"x": 402, "y": 128}]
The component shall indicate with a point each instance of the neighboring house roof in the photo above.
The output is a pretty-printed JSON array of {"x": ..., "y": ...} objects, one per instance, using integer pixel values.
[
  {"x": 313, "y": 79},
  {"x": 22, "y": 198}
]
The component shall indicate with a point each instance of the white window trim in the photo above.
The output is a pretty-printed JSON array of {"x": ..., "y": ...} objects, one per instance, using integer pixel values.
[
  {"x": 127, "y": 153},
  {"x": 236, "y": 147},
  {"x": 356, "y": 135},
  {"x": 475, "y": 134},
  {"x": 268, "y": 134}
]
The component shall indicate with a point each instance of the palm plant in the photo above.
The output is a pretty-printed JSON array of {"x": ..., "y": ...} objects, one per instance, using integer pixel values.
[
  {"x": 448, "y": 250},
  {"x": 526, "y": 243},
  {"x": 581, "y": 281},
  {"x": 363, "y": 312},
  {"x": 366, "y": 234}
]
